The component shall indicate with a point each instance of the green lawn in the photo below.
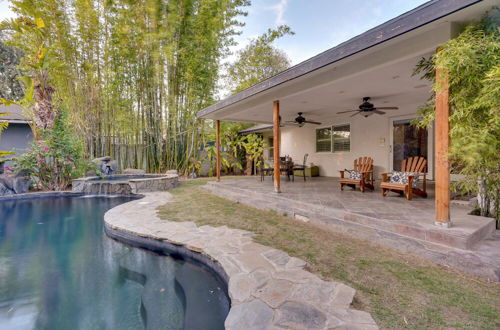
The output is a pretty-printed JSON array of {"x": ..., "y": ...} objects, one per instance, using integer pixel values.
[{"x": 398, "y": 289}]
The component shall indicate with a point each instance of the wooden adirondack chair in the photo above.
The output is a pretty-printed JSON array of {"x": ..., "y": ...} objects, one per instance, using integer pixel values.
[
  {"x": 411, "y": 165},
  {"x": 361, "y": 175}
]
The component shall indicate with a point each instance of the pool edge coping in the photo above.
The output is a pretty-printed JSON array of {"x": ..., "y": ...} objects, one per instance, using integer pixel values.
[
  {"x": 138, "y": 223},
  {"x": 172, "y": 250},
  {"x": 40, "y": 194}
]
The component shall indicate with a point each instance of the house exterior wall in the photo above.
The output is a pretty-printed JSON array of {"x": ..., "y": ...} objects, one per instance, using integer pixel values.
[
  {"x": 369, "y": 137},
  {"x": 17, "y": 137}
]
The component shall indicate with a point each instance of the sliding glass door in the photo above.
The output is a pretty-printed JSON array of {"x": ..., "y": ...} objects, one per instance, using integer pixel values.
[{"x": 407, "y": 140}]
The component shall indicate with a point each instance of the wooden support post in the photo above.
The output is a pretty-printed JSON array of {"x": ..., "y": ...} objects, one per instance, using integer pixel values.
[
  {"x": 441, "y": 154},
  {"x": 217, "y": 148},
  {"x": 276, "y": 145}
]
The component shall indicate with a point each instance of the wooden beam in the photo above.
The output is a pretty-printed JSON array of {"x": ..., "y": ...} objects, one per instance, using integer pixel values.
[
  {"x": 276, "y": 145},
  {"x": 442, "y": 127},
  {"x": 217, "y": 148}
]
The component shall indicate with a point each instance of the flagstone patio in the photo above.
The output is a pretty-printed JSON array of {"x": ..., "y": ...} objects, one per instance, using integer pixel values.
[{"x": 472, "y": 244}]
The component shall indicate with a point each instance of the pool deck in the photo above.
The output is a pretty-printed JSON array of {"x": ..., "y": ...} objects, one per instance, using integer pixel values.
[
  {"x": 472, "y": 244},
  {"x": 268, "y": 288}
]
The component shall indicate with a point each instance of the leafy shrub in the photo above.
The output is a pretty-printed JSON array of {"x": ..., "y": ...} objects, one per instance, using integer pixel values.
[
  {"x": 472, "y": 61},
  {"x": 54, "y": 159}
]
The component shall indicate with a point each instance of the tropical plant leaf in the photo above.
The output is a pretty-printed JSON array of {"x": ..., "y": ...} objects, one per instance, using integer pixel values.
[{"x": 39, "y": 23}]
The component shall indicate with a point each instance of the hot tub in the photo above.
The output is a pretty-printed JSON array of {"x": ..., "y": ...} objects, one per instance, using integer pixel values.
[{"x": 125, "y": 184}]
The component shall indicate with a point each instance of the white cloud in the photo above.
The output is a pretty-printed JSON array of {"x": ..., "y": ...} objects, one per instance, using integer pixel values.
[{"x": 280, "y": 9}]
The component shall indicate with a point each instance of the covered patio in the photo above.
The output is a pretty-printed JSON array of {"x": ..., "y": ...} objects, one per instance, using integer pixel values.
[{"x": 378, "y": 64}]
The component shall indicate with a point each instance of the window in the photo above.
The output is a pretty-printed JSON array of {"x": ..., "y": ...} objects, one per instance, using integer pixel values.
[
  {"x": 270, "y": 147},
  {"x": 333, "y": 139},
  {"x": 324, "y": 139},
  {"x": 341, "y": 137}
]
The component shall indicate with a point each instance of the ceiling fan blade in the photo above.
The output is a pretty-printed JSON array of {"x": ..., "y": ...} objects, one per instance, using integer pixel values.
[
  {"x": 312, "y": 122},
  {"x": 387, "y": 108},
  {"x": 291, "y": 121},
  {"x": 379, "y": 112},
  {"x": 346, "y": 111},
  {"x": 357, "y": 113}
]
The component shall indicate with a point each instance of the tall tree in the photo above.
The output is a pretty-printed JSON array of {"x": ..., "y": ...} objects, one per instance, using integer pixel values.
[
  {"x": 259, "y": 60},
  {"x": 10, "y": 87},
  {"x": 131, "y": 73}
]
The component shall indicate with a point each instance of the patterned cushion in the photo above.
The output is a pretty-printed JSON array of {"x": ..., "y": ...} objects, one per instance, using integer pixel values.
[
  {"x": 355, "y": 175},
  {"x": 402, "y": 177}
]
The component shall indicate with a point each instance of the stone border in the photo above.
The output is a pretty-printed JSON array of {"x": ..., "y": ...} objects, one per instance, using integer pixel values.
[
  {"x": 42, "y": 194},
  {"x": 175, "y": 251},
  {"x": 268, "y": 288}
]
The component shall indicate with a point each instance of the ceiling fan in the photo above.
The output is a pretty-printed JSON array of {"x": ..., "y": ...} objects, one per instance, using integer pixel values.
[
  {"x": 300, "y": 121},
  {"x": 367, "y": 109}
]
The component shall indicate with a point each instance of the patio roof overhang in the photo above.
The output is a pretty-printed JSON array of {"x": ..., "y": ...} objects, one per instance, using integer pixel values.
[
  {"x": 378, "y": 63},
  {"x": 256, "y": 129},
  {"x": 13, "y": 114}
]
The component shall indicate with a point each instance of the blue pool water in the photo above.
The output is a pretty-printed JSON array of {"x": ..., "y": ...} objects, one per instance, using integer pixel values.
[{"x": 58, "y": 270}]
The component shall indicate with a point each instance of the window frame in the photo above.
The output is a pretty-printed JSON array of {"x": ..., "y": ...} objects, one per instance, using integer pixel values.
[
  {"x": 333, "y": 139},
  {"x": 316, "y": 139}
]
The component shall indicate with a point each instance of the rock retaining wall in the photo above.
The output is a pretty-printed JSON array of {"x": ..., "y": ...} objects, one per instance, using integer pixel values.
[{"x": 11, "y": 185}]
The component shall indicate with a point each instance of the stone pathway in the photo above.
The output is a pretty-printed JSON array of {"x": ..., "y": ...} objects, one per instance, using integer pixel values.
[{"x": 268, "y": 288}]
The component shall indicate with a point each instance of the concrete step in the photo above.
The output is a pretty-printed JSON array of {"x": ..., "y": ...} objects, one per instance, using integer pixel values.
[
  {"x": 436, "y": 248},
  {"x": 464, "y": 235}
]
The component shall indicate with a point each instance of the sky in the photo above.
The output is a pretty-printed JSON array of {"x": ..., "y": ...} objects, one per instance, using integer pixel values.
[
  {"x": 5, "y": 12},
  {"x": 318, "y": 24}
]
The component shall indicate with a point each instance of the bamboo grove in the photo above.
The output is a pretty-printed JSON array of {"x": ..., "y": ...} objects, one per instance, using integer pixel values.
[{"x": 132, "y": 74}]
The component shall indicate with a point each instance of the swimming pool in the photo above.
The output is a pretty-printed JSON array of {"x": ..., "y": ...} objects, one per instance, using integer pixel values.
[{"x": 58, "y": 270}]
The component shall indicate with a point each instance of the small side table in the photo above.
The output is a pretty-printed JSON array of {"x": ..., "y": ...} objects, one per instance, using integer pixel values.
[{"x": 310, "y": 171}]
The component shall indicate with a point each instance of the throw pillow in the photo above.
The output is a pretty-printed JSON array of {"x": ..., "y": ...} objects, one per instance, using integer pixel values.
[
  {"x": 355, "y": 175},
  {"x": 402, "y": 177}
]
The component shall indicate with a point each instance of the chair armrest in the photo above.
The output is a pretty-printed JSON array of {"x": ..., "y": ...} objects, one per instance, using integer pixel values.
[
  {"x": 410, "y": 181},
  {"x": 385, "y": 177}
]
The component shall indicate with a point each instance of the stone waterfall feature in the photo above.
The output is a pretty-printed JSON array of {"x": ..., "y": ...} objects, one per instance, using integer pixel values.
[{"x": 106, "y": 165}]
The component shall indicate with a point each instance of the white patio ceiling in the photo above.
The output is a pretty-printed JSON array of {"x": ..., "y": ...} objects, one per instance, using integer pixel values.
[
  {"x": 391, "y": 85},
  {"x": 382, "y": 72}
]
